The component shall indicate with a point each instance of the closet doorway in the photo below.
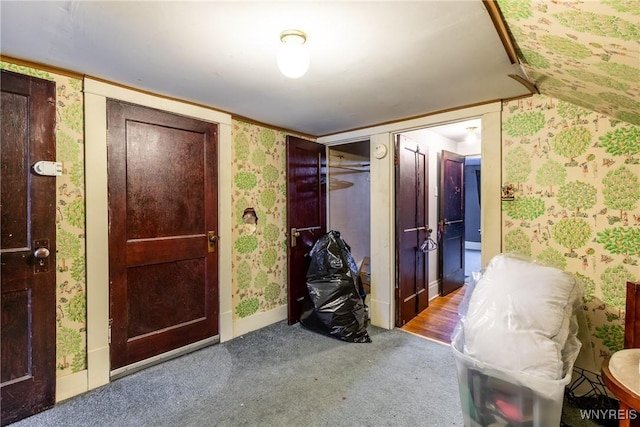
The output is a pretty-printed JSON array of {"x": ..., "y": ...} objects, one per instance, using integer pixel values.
[{"x": 349, "y": 200}]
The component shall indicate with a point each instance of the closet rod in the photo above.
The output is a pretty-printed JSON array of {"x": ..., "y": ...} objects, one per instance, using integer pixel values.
[{"x": 351, "y": 169}]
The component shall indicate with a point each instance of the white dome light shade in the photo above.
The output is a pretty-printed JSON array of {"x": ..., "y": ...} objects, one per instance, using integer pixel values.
[{"x": 293, "y": 58}]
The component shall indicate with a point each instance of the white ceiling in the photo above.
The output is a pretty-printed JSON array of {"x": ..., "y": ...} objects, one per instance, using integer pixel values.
[{"x": 371, "y": 62}]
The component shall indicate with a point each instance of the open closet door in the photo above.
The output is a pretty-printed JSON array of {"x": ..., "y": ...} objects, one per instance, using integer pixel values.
[
  {"x": 451, "y": 222},
  {"x": 306, "y": 215},
  {"x": 412, "y": 215}
]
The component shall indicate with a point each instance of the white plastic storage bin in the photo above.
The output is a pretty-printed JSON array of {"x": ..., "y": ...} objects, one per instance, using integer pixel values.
[{"x": 491, "y": 396}]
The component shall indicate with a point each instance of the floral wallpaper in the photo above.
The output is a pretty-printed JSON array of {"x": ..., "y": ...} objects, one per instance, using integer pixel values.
[
  {"x": 583, "y": 52},
  {"x": 259, "y": 261},
  {"x": 571, "y": 156},
  {"x": 575, "y": 176},
  {"x": 71, "y": 300}
]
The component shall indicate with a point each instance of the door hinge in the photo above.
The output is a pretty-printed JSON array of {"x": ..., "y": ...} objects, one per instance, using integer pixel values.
[{"x": 109, "y": 333}]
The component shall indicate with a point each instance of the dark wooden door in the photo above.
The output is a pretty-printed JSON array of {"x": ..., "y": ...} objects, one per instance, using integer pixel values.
[
  {"x": 412, "y": 216},
  {"x": 28, "y": 206},
  {"x": 451, "y": 221},
  {"x": 163, "y": 267},
  {"x": 306, "y": 216}
]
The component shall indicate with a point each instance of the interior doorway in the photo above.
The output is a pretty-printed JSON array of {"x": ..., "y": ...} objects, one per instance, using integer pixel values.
[
  {"x": 473, "y": 230},
  {"x": 349, "y": 199},
  {"x": 382, "y": 137},
  {"x": 463, "y": 138},
  {"x": 349, "y": 191}
]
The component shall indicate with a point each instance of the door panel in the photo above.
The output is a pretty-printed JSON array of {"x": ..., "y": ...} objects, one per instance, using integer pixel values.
[
  {"x": 452, "y": 221},
  {"x": 162, "y": 209},
  {"x": 412, "y": 226},
  {"x": 28, "y": 203},
  {"x": 306, "y": 212}
]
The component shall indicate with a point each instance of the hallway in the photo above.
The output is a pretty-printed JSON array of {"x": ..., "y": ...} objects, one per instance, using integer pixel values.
[
  {"x": 439, "y": 320},
  {"x": 472, "y": 262}
]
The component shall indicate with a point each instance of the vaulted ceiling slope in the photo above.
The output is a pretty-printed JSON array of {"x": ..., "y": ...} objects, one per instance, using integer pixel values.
[
  {"x": 371, "y": 62},
  {"x": 583, "y": 52}
]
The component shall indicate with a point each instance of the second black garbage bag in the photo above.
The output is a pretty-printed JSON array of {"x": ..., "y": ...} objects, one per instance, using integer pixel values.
[{"x": 332, "y": 281}]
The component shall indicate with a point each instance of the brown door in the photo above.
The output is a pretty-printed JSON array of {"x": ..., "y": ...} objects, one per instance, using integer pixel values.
[
  {"x": 163, "y": 268},
  {"x": 306, "y": 216},
  {"x": 451, "y": 221},
  {"x": 28, "y": 230},
  {"x": 412, "y": 216}
]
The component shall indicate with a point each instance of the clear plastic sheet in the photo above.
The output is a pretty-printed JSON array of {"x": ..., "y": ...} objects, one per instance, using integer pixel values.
[
  {"x": 516, "y": 342},
  {"x": 332, "y": 281}
]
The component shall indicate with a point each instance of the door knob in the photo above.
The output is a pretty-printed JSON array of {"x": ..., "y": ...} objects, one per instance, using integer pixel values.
[
  {"x": 294, "y": 234},
  {"x": 41, "y": 253},
  {"x": 212, "y": 239}
]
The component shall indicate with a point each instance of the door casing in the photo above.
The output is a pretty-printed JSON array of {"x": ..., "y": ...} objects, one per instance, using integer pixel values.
[
  {"x": 382, "y": 246},
  {"x": 163, "y": 231},
  {"x": 96, "y": 95}
]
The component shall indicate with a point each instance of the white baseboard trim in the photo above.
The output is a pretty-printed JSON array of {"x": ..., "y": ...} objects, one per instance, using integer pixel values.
[
  {"x": 476, "y": 246},
  {"x": 260, "y": 320},
  {"x": 380, "y": 314},
  {"x": 226, "y": 326},
  {"x": 98, "y": 365},
  {"x": 434, "y": 289},
  {"x": 71, "y": 385}
]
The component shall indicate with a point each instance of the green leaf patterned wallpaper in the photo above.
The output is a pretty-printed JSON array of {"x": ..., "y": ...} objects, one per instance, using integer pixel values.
[
  {"x": 577, "y": 203},
  {"x": 71, "y": 302},
  {"x": 574, "y": 165},
  {"x": 259, "y": 262},
  {"x": 583, "y": 52}
]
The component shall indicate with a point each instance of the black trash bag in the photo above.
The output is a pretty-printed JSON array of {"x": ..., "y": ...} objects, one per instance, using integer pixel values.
[{"x": 338, "y": 309}]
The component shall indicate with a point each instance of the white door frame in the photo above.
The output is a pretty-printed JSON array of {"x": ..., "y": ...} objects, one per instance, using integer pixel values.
[
  {"x": 382, "y": 303},
  {"x": 96, "y": 94}
]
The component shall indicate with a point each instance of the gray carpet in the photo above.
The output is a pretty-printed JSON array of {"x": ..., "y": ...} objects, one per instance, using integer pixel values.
[{"x": 280, "y": 376}]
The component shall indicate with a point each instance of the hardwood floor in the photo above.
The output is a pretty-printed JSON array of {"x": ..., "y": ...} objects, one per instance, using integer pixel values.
[{"x": 438, "y": 321}]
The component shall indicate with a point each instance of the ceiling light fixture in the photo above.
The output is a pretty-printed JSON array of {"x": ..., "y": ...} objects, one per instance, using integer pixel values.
[
  {"x": 472, "y": 137},
  {"x": 293, "y": 58}
]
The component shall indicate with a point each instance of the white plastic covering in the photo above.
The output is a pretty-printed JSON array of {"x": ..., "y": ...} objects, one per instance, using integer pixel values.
[
  {"x": 518, "y": 324},
  {"x": 520, "y": 317}
]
